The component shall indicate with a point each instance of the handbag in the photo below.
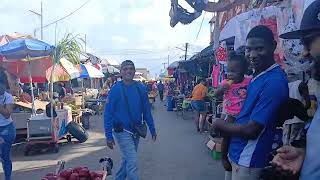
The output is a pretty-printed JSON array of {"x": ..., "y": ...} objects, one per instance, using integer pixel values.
[{"x": 139, "y": 129}]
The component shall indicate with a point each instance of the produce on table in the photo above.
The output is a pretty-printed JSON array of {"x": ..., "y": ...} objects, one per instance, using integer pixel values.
[{"x": 77, "y": 173}]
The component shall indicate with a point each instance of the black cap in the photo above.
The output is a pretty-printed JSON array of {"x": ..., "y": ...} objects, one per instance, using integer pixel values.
[
  {"x": 126, "y": 63},
  {"x": 310, "y": 22}
]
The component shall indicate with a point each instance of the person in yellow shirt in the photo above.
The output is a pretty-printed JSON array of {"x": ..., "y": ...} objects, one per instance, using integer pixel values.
[{"x": 199, "y": 93}]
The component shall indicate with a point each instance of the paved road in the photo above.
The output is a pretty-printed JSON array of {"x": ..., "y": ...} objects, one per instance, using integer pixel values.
[{"x": 179, "y": 153}]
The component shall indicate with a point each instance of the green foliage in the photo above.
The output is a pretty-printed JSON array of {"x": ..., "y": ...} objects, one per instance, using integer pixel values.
[{"x": 69, "y": 48}]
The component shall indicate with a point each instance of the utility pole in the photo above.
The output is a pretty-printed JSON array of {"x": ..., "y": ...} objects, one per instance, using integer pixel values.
[
  {"x": 168, "y": 60},
  {"x": 84, "y": 40},
  {"x": 164, "y": 66},
  {"x": 85, "y": 43},
  {"x": 41, "y": 19},
  {"x": 41, "y": 22},
  {"x": 186, "y": 51}
]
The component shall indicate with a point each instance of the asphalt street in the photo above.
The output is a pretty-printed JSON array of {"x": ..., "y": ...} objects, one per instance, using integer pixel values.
[{"x": 179, "y": 153}]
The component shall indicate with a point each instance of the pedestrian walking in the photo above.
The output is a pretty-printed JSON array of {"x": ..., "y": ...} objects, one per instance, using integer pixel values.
[
  {"x": 199, "y": 93},
  {"x": 7, "y": 128},
  {"x": 126, "y": 117},
  {"x": 252, "y": 134},
  {"x": 161, "y": 90}
]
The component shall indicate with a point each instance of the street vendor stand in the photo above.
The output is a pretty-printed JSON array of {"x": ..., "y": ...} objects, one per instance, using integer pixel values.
[
  {"x": 43, "y": 130},
  {"x": 23, "y": 111},
  {"x": 92, "y": 101},
  {"x": 25, "y": 51},
  {"x": 39, "y": 128}
]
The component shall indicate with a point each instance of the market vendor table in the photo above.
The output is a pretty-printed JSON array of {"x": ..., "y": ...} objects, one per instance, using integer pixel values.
[
  {"x": 37, "y": 104},
  {"x": 44, "y": 131},
  {"x": 20, "y": 118}
]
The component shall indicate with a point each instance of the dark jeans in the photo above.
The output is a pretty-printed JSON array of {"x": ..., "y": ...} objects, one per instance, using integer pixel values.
[
  {"x": 161, "y": 95},
  {"x": 7, "y": 135}
]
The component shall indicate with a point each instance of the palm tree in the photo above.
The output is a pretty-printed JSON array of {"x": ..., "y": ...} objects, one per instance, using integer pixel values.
[{"x": 68, "y": 48}]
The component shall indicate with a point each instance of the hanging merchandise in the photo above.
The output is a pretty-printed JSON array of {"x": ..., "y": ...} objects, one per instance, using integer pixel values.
[
  {"x": 198, "y": 5},
  {"x": 234, "y": 10},
  {"x": 179, "y": 14},
  {"x": 221, "y": 53},
  {"x": 291, "y": 48},
  {"x": 271, "y": 22},
  {"x": 240, "y": 26},
  {"x": 215, "y": 75}
]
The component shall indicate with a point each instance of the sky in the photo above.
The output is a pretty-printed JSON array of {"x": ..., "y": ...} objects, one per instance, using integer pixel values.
[{"x": 115, "y": 29}]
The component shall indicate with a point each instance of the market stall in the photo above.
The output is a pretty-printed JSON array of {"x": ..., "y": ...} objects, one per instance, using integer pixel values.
[
  {"x": 30, "y": 61},
  {"x": 90, "y": 96}
]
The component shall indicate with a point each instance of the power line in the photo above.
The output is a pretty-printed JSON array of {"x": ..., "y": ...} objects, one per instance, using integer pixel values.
[
  {"x": 68, "y": 15},
  {"x": 204, "y": 15}
]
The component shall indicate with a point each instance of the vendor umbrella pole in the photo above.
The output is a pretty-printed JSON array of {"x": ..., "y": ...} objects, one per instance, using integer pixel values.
[
  {"x": 30, "y": 80},
  {"x": 51, "y": 89},
  {"x": 82, "y": 89}
]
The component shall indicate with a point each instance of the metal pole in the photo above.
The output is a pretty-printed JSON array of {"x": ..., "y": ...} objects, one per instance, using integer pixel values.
[
  {"x": 216, "y": 31},
  {"x": 168, "y": 60},
  {"x": 41, "y": 22},
  {"x": 35, "y": 33},
  {"x": 32, "y": 93},
  {"x": 186, "y": 52},
  {"x": 164, "y": 66},
  {"x": 85, "y": 43},
  {"x": 55, "y": 35}
]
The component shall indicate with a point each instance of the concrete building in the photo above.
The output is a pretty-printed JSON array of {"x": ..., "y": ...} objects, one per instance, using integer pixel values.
[{"x": 145, "y": 72}]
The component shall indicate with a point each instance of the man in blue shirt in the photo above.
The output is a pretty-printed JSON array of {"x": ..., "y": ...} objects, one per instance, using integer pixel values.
[
  {"x": 251, "y": 136},
  {"x": 306, "y": 159},
  {"x": 127, "y": 106}
]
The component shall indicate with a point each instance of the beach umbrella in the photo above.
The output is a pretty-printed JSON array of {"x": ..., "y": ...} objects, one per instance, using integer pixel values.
[
  {"x": 26, "y": 50},
  {"x": 112, "y": 69},
  {"x": 20, "y": 69},
  {"x": 4, "y": 39},
  {"x": 64, "y": 71},
  {"x": 88, "y": 71}
]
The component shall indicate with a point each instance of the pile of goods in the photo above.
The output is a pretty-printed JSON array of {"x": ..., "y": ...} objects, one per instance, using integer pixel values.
[
  {"x": 78, "y": 173},
  {"x": 91, "y": 94}
]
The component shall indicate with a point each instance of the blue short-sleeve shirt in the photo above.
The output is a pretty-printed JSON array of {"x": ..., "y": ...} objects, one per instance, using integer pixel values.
[{"x": 266, "y": 93}]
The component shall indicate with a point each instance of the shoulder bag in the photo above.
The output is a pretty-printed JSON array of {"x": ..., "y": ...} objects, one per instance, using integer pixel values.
[{"x": 140, "y": 129}]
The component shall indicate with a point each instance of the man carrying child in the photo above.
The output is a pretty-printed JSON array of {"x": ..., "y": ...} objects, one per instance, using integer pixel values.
[{"x": 251, "y": 136}]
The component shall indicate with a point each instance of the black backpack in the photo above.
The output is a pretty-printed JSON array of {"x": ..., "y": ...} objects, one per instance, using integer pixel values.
[{"x": 48, "y": 110}]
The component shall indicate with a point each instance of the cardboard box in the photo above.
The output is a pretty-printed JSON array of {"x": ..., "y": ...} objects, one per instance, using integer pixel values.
[
  {"x": 218, "y": 147},
  {"x": 211, "y": 145},
  {"x": 214, "y": 144}
]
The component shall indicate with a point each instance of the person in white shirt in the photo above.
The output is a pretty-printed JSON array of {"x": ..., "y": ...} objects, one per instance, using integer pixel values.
[{"x": 7, "y": 128}]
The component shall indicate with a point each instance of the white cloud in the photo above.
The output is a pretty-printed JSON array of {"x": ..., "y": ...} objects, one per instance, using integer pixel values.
[
  {"x": 116, "y": 19},
  {"x": 119, "y": 39},
  {"x": 120, "y": 24}
]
